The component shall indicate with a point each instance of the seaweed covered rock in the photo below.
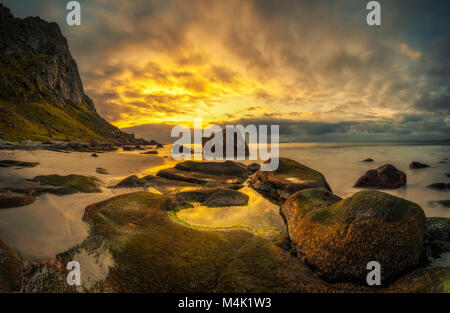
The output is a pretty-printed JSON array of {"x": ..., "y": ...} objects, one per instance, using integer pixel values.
[
  {"x": 69, "y": 184},
  {"x": 418, "y": 165},
  {"x": 8, "y": 200},
  {"x": 214, "y": 197},
  {"x": 339, "y": 237},
  {"x": 13, "y": 163},
  {"x": 289, "y": 178},
  {"x": 386, "y": 176},
  {"x": 439, "y": 186},
  {"x": 131, "y": 182},
  {"x": 10, "y": 269},
  {"x": 207, "y": 173},
  {"x": 437, "y": 236},
  {"x": 140, "y": 248}
]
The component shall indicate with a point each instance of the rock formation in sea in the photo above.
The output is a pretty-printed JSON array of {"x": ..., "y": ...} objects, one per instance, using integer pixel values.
[{"x": 386, "y": 176}]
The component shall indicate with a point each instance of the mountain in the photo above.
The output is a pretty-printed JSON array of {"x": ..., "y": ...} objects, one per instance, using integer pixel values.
[{"x": 41, "y": 93}]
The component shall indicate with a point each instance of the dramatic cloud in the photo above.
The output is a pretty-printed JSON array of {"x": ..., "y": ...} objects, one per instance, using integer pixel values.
[{"x": 314, "y": 67}]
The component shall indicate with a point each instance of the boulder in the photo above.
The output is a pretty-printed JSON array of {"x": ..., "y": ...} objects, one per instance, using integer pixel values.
[
  {"x": 13, "y": 163},
  {"x": 437, "y": 236},
  {"x": 150, "y": 252},
  {"x": 289, "y": 178},
  {"x": 132, "y": 182},
  {"x": 386, "y": 176},
  {"x": 367, "y": 160},
  {"x": 418, "y": 165},
  {"x": 338, "y": 238},
  {"x": 10, "y": 269},
  {"x": 12, "y": 201},
  {"x": 215, "y": 197},
  {"x": 69, "y": 184},
  {"x": 439, "y": 186},
  {"x": 207, "y": 173},
  {"x": 150, "y": 152},
  {"x": 101, "y": 170},
  {"x": 253, "y": 167},
  {"x": 94, "y": 155}
]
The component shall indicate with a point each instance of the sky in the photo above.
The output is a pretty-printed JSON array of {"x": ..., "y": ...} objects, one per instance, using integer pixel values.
[{"x": 313, "y": 67}]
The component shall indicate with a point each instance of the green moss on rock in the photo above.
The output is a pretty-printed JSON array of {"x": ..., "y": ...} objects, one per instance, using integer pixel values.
[
  {"x": 289, "y": 178},
  {"x": 338, "y": 238},
  {"x": 71, "y": 183},
  {"x": 10, "y": 269}
]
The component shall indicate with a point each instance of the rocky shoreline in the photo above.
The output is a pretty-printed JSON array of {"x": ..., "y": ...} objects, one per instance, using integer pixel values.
[
  {"x": 75, "y": 146},
  {"x": 134, "y": 245}
]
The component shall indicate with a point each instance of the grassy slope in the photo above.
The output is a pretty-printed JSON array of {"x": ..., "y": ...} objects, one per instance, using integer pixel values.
[{"x": 24, "y": 114}]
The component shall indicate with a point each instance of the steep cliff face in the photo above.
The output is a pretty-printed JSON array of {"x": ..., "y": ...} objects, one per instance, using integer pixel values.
[{"x": 41, "y": 94}]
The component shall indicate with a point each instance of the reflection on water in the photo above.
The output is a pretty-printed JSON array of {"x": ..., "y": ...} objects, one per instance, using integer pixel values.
[{"x": 260, "y": 214}]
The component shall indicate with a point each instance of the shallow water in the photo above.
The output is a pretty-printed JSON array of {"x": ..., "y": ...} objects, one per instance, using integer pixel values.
[
  {"x": 53, "y": 224},
  {"x": 260, "y": 214},
  {"x": 341, "y": 165}
]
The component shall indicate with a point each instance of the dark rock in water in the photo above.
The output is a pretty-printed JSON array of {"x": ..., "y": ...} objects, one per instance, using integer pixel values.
[
  {"x": 224, "y": 141},
  {"x": 207, "y": 173},
  {"x": 69, "y": 184},
  {"x": 12, "y": 201},
  {"x": 159, "y": 146},
  {"x": 254, "y": 167},
  {"x": 437, "y": 236},
  {"x": 132, "y": 181},
  {"x": 214, "y": 197},
  {"x": 439, "y": 186},
  {"x": 13, "y": 163},
  {"x": 10, "y": 269},
  {"x": 138, "y": 148},
  {"x": 417, "y": 165},
  {"x": 386, "y": 176},
  {"x": 101, "y": 170},
  {"x": 289, "y": 178},
  {"x": 128, "y": 148},
  {"x": 165, "y": 185},
  {"x": 339, "y": 237},
  {"x": 94, "y": 155},
  {"x": 367, "y": 160},
  {"x": 150, "y": 152},
  {"x": 445, "y": 203}
]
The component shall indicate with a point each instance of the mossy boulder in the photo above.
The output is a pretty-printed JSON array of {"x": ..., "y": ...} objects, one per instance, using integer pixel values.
[
  {"x": 289, "y": 178},
  {"x": 69, "y": 184},
  {"x": 13, "y": 163},
  {"x": 339, "y": 237},
  {"x": 101, "y": 170},
  {"x": 132, "y": 182},
  {"x": 418, "y": 165},
  {"x": 386, "y": 176},
  {"x": 10, "y": 269},
  {"x": 207, "y": 173},
  {"x": 147, "y": 251},
  {"x": 437, "y": 236},
  {"x": 439, "y": 186},
  {"x": 423, "y": 280},
  {"x": 12, "y": 201},
  {"x": 214, "y": 197}
]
